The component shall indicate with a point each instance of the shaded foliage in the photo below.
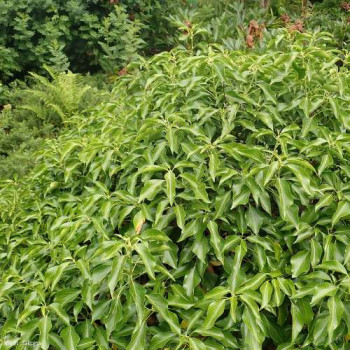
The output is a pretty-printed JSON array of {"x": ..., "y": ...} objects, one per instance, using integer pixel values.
[
  {"x": 76, "y": 34},
  {"x": 31, "y": 113}
]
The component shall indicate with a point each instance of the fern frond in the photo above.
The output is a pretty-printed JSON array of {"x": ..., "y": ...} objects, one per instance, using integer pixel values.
[{"x": 57, "y": 99}]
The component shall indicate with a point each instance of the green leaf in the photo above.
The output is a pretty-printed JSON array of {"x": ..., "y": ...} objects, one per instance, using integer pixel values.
[
  {"x": 300, "y": 263},
  {"x": 159, "y": 340},
  {"x": 335, "y": 106},
  {"x": 252, "y": 284},
  {"x": 148, "y": 260},
  {"x": 151, "y": 169},
  {"x": 278, "y": 295},
  {"x": 324, "y": 202},
  {"x": 319, "y": 331},
  {"x": 170, "y": 186},
  {"x": 266, "y": 119},
  {"x": 70, "y": 338},
  {"x": 316, "y": 252},
  {"x": 180, "y": 301},
  {"x": 326, "y": 161},
  {"x": 332, "y": 265},
  {"x": 138, "y": 337},
  {"x": 197, "y": 187},
  {"x": 83, "y": 266},
  {"x": 298, "y": 323},
  {"x": 240, "y": 252},
  {"x": 302, "y": 175},
  {"x": 285, "y": 196},
  {"x": 150, "y": 190},
  {"x": 100, "y": 309},
  {"x": 273, "y": 167},
  {"x": 215, "y": 310},
  {"x": 233, "y": 308},
  {"x": 160, "y": 305},
  {"x": 191, "y": 280},
  {"x": 342, "y": 211},
  {"x": 254, "y": 219},
  {"x": 335, "y": 307},
  {"x": 323, "y": 290},
  {"x": 56, "y": 341},
  {"x": 154, "y": 235},
  {"x": 201, "y": 247},
  {"x": 114, "y": 316},
  {"x": 268, "y": 92},
  {"x": 216, "y": 241},
  {"x": 108, "y": 250},
  {"x": 238, "y": 150},
  {"x": 197, "y": 344},
  {"x": 180, "y": 216},
  {"x": 240, "y": 198},
  {"x": 217, "y": 293},
  {"x": 53, "y": 275},
  {"x": 138, "y": 293},
  {"x": 26, "y": 312},
  {"x": 220, "y": 70},
  {"x": 247, "y": 298},
  {"x": 191, "y": 229},
  {"x": 58, "y": 309},
  {"x": 251, "y": 322},
  {"x": 221, "y": 203},
  {"x": 45, "y": 326},
  {"x": 68, "y": 295},
  {"x": 195, "y": 319},
  {"x": 214, "y": 163},
  {"x": 86, "y": 343},
  {"x": 266, "y": 292},
  {"x": 305, "y": 308}
]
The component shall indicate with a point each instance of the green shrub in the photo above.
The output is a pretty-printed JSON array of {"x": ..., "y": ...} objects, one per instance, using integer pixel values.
[
  {"x": 32, "y": 113},
  {"x": 121, "y": 42},
  {"x": 57, "y": 100},
  {"x": 205, "y": 206},
  {"x": 153, "y": 14},
  {"x": 227, "y": 23},
  {"x": 330, "y": 16},
  {"x": 219, "y": 22},
  {"x": 85, "y": 36},
  {"x": 71, "y": 34}
]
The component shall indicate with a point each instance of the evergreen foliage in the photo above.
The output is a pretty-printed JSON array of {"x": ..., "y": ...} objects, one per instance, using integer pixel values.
[
  {"x": 197, "y": 199},
  {"x": 30, "y": 114},
  {"x": 204, "y": 206},
  {"x": 77, "y": 34}
]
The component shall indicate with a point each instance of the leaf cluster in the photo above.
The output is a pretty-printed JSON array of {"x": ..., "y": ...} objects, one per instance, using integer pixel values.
[
  {"x": 38, "y": 110},
  {"x": 80, "y": 35},
  {"x": 204, "y": 206},
  {"x": 227, "y": 22}
]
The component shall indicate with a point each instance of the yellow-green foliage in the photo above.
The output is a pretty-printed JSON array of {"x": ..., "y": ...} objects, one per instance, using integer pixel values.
[
  {"x": 32, "y": 114},
  {"x": 204, "y": 206}
]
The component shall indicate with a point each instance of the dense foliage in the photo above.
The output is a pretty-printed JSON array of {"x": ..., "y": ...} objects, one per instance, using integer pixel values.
[
  {"x": 204, "y": 206},
  {"x": 31, "y": 113},
  {"x": 198, "y": 199},
  {"x": 81, "y": 35},
  {"x": 229, "y": 22},
  {"x": 107, "y": 35},
  {"x": 89, "y": 35}
]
